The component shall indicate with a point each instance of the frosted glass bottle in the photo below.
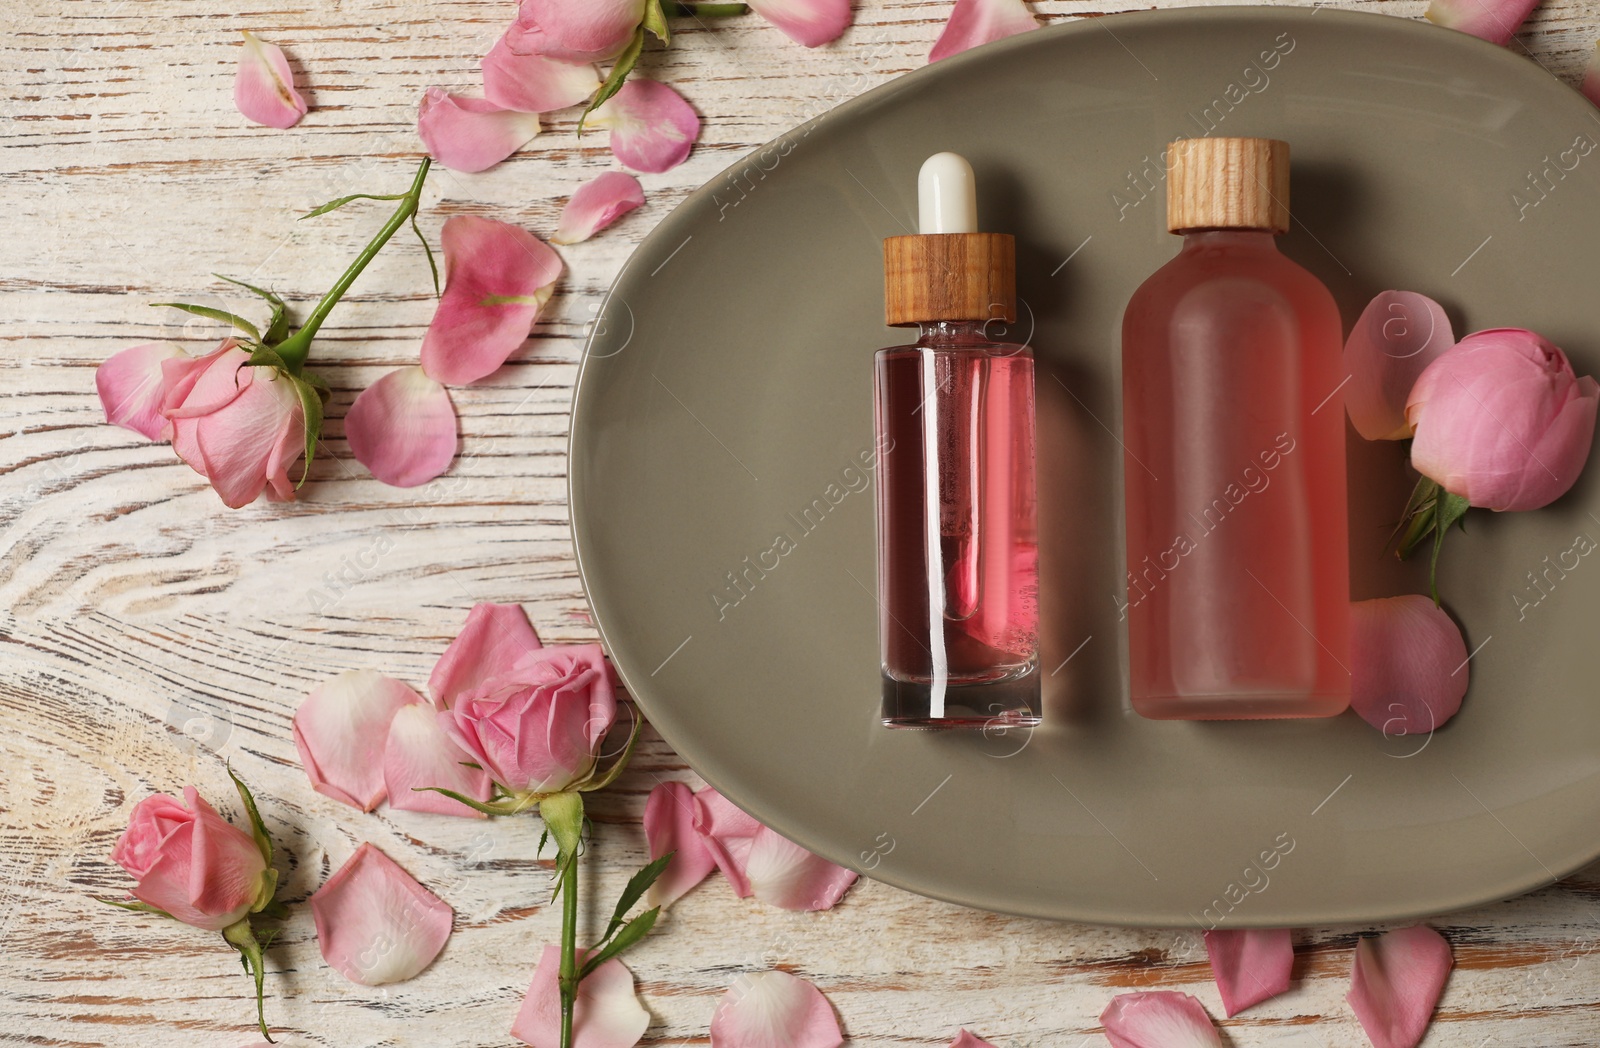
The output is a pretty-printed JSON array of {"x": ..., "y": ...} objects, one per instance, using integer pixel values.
[{"x": 1237, "y": 584}]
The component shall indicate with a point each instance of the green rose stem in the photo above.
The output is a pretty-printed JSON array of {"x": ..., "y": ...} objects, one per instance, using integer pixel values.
[{"x": 563, "y": 816}]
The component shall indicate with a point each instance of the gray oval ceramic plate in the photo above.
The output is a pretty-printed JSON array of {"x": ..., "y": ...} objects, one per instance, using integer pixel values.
[{"x": 724, "y": 522}]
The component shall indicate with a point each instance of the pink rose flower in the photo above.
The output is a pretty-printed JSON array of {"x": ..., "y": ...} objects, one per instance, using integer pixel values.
[
  {"x": 193, "y": 863},
  {"x": 1501, "y": 420},
  {"x": 536, "y": 728},
  {"x": 239, "y": 426}
]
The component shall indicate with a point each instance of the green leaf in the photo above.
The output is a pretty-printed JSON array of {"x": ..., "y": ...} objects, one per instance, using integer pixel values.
[
  {"x": 631, "y": 933},
  {"x": 138, "y": 907},
  {"x": 637, "y": 885},
  {"x": 258, "y": 829},
  {"x": 655, "y": 21},
  {"x": 334, "y": 205},
  {"x": 243, "y": 938},
  {"x": 618, "y": 75},
  {"x": 433, "y": 267},
  {"x": 563, "y": 817},
  {"x": 620, "y": 763},
  {"x": 240, "y": 323}
]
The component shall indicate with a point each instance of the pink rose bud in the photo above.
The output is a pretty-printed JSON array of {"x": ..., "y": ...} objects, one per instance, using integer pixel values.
[
  {"x": 1502, "y": 420},
  {"x": 193, "y": 863},
  {"x": 536, "y": 728}
]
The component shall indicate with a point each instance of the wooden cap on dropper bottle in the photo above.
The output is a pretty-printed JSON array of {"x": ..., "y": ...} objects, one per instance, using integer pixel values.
[
  {"x": 948, "y": 271},
  {"x": 1228, "y": 183}
]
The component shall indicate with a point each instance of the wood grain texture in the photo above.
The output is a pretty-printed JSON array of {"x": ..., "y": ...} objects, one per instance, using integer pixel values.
[{"x": 147, "y": 634}]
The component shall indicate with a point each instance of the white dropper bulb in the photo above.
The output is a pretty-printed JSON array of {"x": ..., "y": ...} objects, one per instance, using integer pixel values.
[{"x": 947, "y": 195}]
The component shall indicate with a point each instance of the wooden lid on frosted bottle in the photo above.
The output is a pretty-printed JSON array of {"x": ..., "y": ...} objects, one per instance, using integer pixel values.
[{"x": 1228, "y": 183}]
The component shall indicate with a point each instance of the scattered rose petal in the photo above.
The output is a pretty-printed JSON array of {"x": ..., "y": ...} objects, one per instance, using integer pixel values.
[
  {"x": 976, "y": 22},
  {"x": 1249, "y": 965},
  {"x": 340, "y": 731},
  {"x": 263, "y": 88},
  {"x": 809, "y": 22},
  {"x": 471, "y": 134},
  {"x": 375, "y": 923},
  {"x": 530, "y": 82},
  {"x": 1398, "y": 335},
  {"x": 497, "y": 278},
  {"x": 1396, "y": 981},
  {"x": 494, "y": 638},
  {"x": 1158, "y": 1019},
  {"x": 131, "y": 387},
  {"x": 1408, "y": 664},
  {"x": 597, "y": 203},
  {"x": 652, "y": 127},
  {"x": 597, "y": 29},
  {"x": 669, "y": 826},
  {"x": 606, "y": 1014},
  {"x": 403, "y": 428},
  {"x": 728, "y": 834},
  {"x": 790, "y": 877},
  {"x": 967, "y": 1040},
  {"x": 774, "y": 1010},
  {"x": 419, "y": 754},
  {"x": 1591, "y": 76},
  {"x": 1496, "y": 21}
]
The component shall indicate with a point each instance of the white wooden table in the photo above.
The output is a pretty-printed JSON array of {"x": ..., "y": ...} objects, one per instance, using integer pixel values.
[{"x": 149, "y": 634}]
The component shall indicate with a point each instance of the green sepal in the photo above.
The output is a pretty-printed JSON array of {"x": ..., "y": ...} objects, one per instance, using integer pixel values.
[
  {"x": 311, "y": 401},
  {"x": 563, "y": 817},
  {"x": 278, "y": 325},
  {"x": 258, "y": 832},
  {"x": 243, "y": 938},
  {"x": 476, "y": 805},
  {"x": 433, "y": 267},
  {"x": 655, "y": 22},
  {"x": 631, "y": 933},
  {"x": 137, "y": 907},
  {"x": 618, "y": 75},
  {"x": 1450, "y": 509},
  {"x": 318, "y": 383},
  {"x": 334, "y": 205},
  {"x": 544, "y": 835},
  {"x": 1417, "y": 519},
  {"x": 239, "y": 323},
  {"x": 617, "y": 765},
  {"x": 637, "y": 885}
]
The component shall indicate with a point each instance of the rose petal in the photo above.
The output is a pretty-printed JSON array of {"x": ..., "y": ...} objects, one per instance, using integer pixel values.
[
  {"x": 263, "y": 88},
  {"x": 530, "y": 82},
  {"x": 1408, "y": 664},
  {"x": 471, "y": 134},
  {"x": 591, "y": 27},
  {"x": 403, "y": 428},
  {"x": 809, "y": 22},
  {"x": 419, "y": 754},
  {"x": 728, "y": 834},
  {"x": 1158, "y": 1019},
  {"x": 652, "y": 127},
  {"x": 1496, "y": 21},
  {"x": 497, "y": 277},
  {"x": 774, "y": 1010},
  {"x": 1249, "y": 965},
  {"x": 976, "y": 22},
  {"x": 790, "y": 877},
  {"x": 1398, "y": 335},
  {"x": 1591, "y": 76},
  {"x": 606, "y": 1014},
  {"x": 131, "y": 387},
  {"x": 375, "y": 923},
  {"x": 250, "y": 444},
  {"x": 967, "y": 1040},
  {"x": 494, "y": 638},
  {"x": 340, "y": 730},
  {"x": 597, "y": 203},
  {"x": 669, "y": 826},
  {"x": 1395, "y": 982}
]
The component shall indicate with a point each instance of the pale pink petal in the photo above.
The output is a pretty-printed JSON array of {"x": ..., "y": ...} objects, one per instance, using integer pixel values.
[
  {"x": 728, "y": 834},
  {"x": 809, "y": 22},
  {"x": 606, "y": 1014},
  {"x": 375, "y": 923},
  {"x": 194, "y": 387},
  {"x": 967, "y": 1040},
  {"x": 976, "y": 22},
  {"x": 1408, "y": 664},
  {"x": 669, "y": 826},
  {"x": 774, "y": 1010},
  {"x": 1496, "y": 21},
  {"x": 790, "y": 877},
  {"x": 419, "y": 754},
  {"x": 1249, "y": 965},
  {"x": 597, "y": 203},
  {"x": 471, "y": 134},
  {"x": 587, "y": 27},
  {"x": 263, "y": 88},
  {"x": 652, "y": 127},
  {"x": 1158, "y": 1019},
  {"x": 340, "y": 730},
  {"x": 1397, "y": 335},
  {"x": 403, "y": 428},
  {"x": 1591, "y": 76},
  {"x": 494, "y": 638},
  {"x": 1396, "y": 981},
  {"x": 497, "y": 277},
  {"x": 267, "y": 417},
  {"x": 530, "y": 82},
  {"x": 131, "y": 387}
]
